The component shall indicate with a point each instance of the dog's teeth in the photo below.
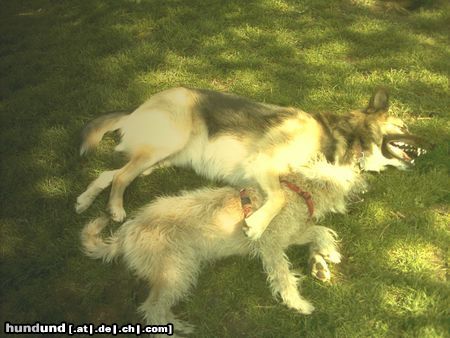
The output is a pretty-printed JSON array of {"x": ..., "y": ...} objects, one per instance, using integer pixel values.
[{"x": 422, "y": 151}]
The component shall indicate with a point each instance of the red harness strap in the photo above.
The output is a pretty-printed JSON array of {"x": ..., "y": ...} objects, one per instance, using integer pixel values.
[{"x": 247, "y": 207}]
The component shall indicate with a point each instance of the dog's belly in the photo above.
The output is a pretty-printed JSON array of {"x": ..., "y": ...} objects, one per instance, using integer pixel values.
[{"x": 223, "y": 158}]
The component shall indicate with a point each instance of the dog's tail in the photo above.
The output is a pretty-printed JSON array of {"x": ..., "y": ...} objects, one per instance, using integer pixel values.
[
  {"x": 93, "y": 133},
  {"x": 94, "y": 245}
]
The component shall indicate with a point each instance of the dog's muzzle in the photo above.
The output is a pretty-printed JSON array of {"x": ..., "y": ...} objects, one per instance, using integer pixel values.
[{"x": 405, "y": 147}]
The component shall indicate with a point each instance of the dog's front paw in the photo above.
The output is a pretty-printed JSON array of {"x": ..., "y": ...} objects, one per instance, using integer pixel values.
[
  {"x": 252, "y": 231},
  {"x": 84, "y": 201},
  {"x": 117, "y": 213}
]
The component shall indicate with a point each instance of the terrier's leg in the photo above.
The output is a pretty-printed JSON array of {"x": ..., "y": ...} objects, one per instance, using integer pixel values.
[
  {"x": 156, "y": 310},
  {"x": 323, "y": 249},
  {"x": 171, "y": 285},
  {"x": 284, "y": 282}
]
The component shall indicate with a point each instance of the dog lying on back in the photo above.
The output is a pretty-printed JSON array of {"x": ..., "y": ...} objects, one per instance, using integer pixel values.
[
  {"x": 245, "y": 143},
  {"x": 167, "y": 241}
]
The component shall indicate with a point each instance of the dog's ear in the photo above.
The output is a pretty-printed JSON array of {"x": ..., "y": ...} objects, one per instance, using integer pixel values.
[{"x": 379, "y": 102}]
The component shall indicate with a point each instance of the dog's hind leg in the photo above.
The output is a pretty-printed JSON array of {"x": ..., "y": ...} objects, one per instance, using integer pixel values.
[
  {"x": 323, "y": 249},
  {"x": 169, "y": 287},
  {"x": 282, "y": 280},
  {"x": 102, "y": 182},
  {"x": 141, "y": 161}
]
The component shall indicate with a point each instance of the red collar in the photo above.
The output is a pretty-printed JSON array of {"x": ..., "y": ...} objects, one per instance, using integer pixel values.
[
  {"x": 306, "y": 196},
  {"x": 247, "y": 207}
]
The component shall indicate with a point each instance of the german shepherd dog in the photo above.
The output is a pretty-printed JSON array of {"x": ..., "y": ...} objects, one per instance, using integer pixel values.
[
  {"x": 167, "y": 241},
  {"x": 245, "y": 143}
]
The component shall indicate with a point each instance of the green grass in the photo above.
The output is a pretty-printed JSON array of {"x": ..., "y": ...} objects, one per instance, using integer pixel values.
[{"x": 65, "y": 62}]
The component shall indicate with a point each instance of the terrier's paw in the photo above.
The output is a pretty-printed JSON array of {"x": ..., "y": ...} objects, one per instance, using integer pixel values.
[
  {"x": 118, "y": 214},
  {"x": 302, "y": 306},
  {"x": 183, "y": 326},
  {"x": 84, "y": 201},
  {"x": 319, "y": 268},
  {"x": 333, "y": 257},
  {"x": 253, "y": 232}
]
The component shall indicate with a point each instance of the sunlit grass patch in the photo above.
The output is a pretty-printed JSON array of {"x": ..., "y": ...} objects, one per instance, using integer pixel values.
[
  {"x": 406, "y": 300},
  {"x": 52, "y": 187},
  {"x": 415, "y": 256},
  {"x": 377, "y": 213},
  {"x": 428, "y": 331}
]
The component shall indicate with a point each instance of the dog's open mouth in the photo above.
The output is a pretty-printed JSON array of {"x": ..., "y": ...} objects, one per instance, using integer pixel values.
[{"x": 404, "y": 147}]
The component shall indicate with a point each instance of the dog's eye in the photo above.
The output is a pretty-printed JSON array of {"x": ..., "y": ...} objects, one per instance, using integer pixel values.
[{"x": 404, "y": 128}]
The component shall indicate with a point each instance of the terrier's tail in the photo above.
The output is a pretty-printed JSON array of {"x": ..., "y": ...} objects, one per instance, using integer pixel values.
[{"x": 94, "y": 245}]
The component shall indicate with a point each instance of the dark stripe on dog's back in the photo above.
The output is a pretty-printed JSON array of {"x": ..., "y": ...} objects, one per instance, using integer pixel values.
[
  {"x": 232, "y": 114},
  {"x": 329, "y": 142}
]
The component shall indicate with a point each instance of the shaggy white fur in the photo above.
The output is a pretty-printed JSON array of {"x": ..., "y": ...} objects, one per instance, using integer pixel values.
[{"x": 167, "y": 240}]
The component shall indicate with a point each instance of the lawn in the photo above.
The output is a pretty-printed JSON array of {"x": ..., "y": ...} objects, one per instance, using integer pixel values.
[{"x": 66, "y": 62}]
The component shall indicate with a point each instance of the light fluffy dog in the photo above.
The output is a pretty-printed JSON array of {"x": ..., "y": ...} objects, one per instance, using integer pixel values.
[
  {"x": 167, "y": 241},
  {"x": 245, "y": 143}
]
